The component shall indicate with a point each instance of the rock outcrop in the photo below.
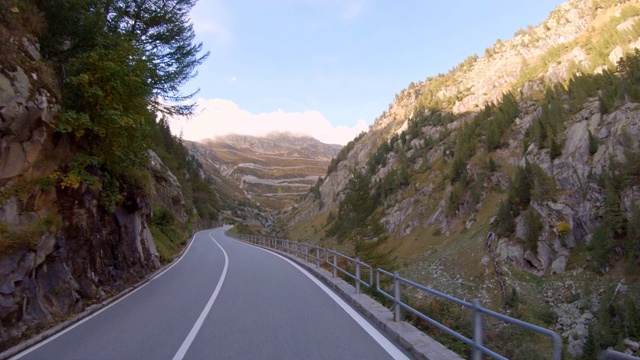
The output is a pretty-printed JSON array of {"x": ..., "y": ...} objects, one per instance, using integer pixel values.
[{"x": 61, "y": 249}]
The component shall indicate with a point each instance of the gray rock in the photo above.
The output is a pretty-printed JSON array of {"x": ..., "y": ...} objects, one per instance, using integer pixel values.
[
  {"x": 559, "y": 265},
  {"x": 587, "y": 317},
  {"x": 512, "y": 252},
  {"x": 32, "y": 50},
  {"x": 6, "y": 90},
  {"x": 7, "y": 288},
  {"x": 616, "y": 54},
  {"x": 632, "y": 345},
  {"x": 580, "y": 331},
  {"x": 534, "y": 261},
  {"x": 576, "y": 348},
  {"x": 12, "y": 160},
  {"x": 45, "y": 247},
  {"x": 522, "y": 231}
]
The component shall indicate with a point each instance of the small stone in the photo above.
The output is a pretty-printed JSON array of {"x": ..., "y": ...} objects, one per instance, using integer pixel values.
[
  {"x": 576, "y": 348},
  {"x": 580, "y": 331},
  {"x": 30, "y": 49},
  {"x": 559, "y": 265},
  {"x": 587, "y": 316},
  {"x": 7, "y": 288},
  {"x": 632, "y": 345}
]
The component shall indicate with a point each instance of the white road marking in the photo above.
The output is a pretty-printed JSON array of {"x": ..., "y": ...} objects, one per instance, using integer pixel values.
[
  {"x": 373, "y": 332},
  {"x": 53, "y": 337},
  {"x": 196, "y": 327}
]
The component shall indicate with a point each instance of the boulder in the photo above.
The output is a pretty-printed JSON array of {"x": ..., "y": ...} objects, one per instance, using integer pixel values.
[
  {"x": 512, "y": 252},
  {"x": 559, "y": 265},
  {"x": 576, "y": 348},
  {"x": 632, "y": 345},
  {"x": 616, "y": 54}
]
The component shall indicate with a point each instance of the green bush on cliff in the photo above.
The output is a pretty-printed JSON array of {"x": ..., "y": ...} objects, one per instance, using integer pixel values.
[{"x": 119, "y": 63}]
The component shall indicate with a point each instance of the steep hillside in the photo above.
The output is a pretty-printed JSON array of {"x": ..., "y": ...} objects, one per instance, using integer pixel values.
[
  {"x": 95, "y": 192},
  {"x": 513, "y": 178},
  {"x": 272, "y": 171}
]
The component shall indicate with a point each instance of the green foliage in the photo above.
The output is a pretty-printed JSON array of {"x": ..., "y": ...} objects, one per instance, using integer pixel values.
[
  {"x": 355, "y": 208},
  {"x": 119, "y": 64},
  {"x": 455, "y": 198},
  {"x": 618, "y": 318},
  {"x": 547, "y": 130},
  {"x": 105, "y": 106},
  {"x": 160, "y": 34},
  {"x": 111, "y": 195},
  {"x": 315, "y": 189},
  {"x": 563, "y": 228},
  {"x": 506, "y": 111},
  {"x": 395, "y": 179},
  {"x": 27, "y": 236},
  {"x": 534, "y": 227},
  {"x": 464, "y": 150},
  {"x": 379, "y": 158},
  {"x": 451, "y": 316},
  {"x": 633, "y": 234},
  {"x": 613, "y": 215},
  {"x": 629, "y": 69},
  {"x": 492, "y": 166},
  {"x": 505, "y": 219},
  {"x": 593, "y": 144},
  {"x": 600, "y": 248},
  {"x": 544, "y": 186},
  {"x": 513, "y": 299},
  {"x": 197, "y": 190},
  {"x": 520, "y": 189},
  {"x": 599, "y": 47},
  {"x": 163, "y": 218},
  {"x": 529, "y": 183},
  {"x": 545, "y": 314}
]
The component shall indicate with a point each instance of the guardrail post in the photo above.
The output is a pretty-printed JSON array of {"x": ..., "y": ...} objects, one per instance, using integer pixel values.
[
  {"x": 396, "y": 296},
  {"x": 306, "y": 252},
  {"x": 335, "y": 264},
  {"x": 317, "y": 257},
  {"x": 478, "y": 333},
  {"x": 371, "y": 276},
  {"x": 357, "y": 275}
]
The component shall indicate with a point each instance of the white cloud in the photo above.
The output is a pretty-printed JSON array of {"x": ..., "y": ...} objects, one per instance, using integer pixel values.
[
  {"x": 216, "y": 117},
  {"x": 232, "y": 80}
]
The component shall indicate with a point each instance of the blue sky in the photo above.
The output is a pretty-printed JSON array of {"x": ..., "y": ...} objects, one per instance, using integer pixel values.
[{"x": 328, "y": 68}]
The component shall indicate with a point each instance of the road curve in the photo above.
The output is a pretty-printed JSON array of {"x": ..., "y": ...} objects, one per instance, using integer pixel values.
[{"x": 223, "y": 299}]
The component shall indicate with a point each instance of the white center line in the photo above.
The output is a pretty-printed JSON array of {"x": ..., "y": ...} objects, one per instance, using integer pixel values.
[{"x": 196, "y": 327}]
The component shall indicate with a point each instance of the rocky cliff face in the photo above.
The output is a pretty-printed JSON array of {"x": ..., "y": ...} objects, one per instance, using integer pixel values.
[
  {"x": 60, "y": 249},
  {"x": 442, "y": 228}
]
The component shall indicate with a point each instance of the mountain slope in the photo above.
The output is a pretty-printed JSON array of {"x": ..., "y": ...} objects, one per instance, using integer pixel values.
[
  {"x": 513, "y": 176},
  {"x": 273, "y": 171}
]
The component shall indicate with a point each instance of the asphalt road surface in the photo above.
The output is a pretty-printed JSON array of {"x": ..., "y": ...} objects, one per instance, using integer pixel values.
[{"x": 223, "y": 299}]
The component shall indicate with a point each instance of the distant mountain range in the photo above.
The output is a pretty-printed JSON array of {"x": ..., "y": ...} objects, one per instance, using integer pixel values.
[{"x": 272, "y": 171}]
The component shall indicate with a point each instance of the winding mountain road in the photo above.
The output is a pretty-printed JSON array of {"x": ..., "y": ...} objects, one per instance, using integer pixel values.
[{"x": 223, "y": 299}]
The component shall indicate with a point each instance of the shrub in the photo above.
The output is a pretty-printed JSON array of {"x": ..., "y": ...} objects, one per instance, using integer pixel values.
[
  {"x": 593, "y": 144},
  {"x": 563, "y": 228}
]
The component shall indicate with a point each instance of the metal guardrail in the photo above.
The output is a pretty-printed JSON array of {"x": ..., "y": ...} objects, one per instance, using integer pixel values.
[{"x": 321, "y": 256}]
